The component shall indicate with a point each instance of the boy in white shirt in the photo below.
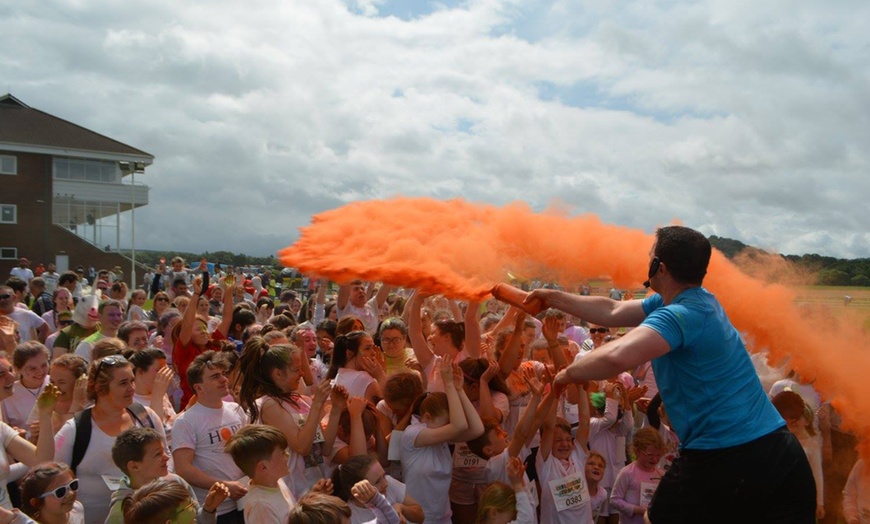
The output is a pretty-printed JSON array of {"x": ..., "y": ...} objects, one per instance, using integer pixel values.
[{"x": 260, "y": 451}]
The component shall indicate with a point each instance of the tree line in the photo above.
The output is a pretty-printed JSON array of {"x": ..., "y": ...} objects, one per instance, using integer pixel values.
[{"x": 829, "y": 271}]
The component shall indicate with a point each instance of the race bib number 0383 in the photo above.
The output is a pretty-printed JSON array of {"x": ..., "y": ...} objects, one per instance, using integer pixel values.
[{"x": 569, "y": 492}]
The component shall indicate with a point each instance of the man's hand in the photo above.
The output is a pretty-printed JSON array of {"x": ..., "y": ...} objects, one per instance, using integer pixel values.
[{"x": 236, "y": 489}]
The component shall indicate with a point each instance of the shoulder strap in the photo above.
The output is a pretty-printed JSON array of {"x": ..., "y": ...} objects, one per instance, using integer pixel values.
[
  {"x": 137, "y": 411},
  {"x": 83, "y": 437}
]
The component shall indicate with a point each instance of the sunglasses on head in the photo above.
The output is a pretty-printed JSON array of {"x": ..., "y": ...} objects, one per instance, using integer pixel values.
[
  {"x": 60, "y": 492},
  {"x": 599, "y": 330},
  {"x": 111, "y": 360}
]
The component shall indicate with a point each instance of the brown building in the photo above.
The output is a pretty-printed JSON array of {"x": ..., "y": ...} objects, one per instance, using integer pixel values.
[{"x": 63, "y": 189}]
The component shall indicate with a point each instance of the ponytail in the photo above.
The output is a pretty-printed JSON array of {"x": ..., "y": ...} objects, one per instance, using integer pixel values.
[
  {"x": 346, "y": 475},
  {"x": 256, "y": 364},
  {"x": 344, "y": 344}
]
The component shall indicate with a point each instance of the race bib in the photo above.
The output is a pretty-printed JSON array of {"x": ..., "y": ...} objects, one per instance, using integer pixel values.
[
  {"x": 318, "y": 435},
  {"x": 113, "y": 483},
  {"x": 647, "y": 490},
  {"x": 464, "y": 458},
  {"x": 569, "y": 492}
]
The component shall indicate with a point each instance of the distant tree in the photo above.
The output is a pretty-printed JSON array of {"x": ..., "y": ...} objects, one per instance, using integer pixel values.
[
  {"x": 860, "y": 280},
  {"x": 834, "y": 277}
]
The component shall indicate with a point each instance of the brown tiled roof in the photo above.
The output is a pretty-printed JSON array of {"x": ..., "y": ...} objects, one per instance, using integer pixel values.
[{"x": 21, "y": 124}]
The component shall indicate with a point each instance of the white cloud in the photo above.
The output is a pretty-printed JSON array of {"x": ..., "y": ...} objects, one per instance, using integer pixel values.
[{"x": 742, "y": 119}]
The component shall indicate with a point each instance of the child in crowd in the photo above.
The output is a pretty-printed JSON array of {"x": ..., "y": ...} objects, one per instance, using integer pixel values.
[
  {"x": 799, "y": 419},
  {"x": 366, "y": 469},
  {"x": 319, "y": 508},
  {"x": 48, "y": 495},
  {"x": 160, "y": 501},
  {"x": 595, "y": 466},
  {"x": 561, "y": 463},
  {"x": 140, "y": 454},
  {"x": 425, "y": 455},
  {"x": 501, "y": 503},
  {"x": 261, "y": 453},
  {"x": 358, "y": 433},
  {"x": 636, "y": 483}
]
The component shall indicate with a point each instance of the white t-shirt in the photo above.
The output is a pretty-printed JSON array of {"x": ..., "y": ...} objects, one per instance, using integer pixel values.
[
  {"x": 98, "y": 476},
  {"x": 263, "y": 504},
  {"x": 496, "y": 471},
  {"x": 564, "y": 486},
  {"x": 206, "y": 431},
  {"x": 27, "y": 321},
  {"x": 368, "y": 314},
  {"x": 17, "y": 408},
  {"x": 7, "y": 434},
  {"x": 355, "y": 381},
  {"x": 24, "y": 273},
  {"x": 137, "y": 313},
  {"x": 362, "y": 515},
  {"x": 51, "y": 279},
  {"x": 427, "y": 471}
]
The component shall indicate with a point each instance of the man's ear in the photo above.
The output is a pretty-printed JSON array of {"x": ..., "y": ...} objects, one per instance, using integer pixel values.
[{"x": 132, "y": 466}]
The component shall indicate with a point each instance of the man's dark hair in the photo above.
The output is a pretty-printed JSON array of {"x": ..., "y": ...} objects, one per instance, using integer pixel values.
[
  {"x": 180, "y": 281},
  {"x": 685, "y": 252},
  {"x": 17, "y": 284},
  {"x": 67, "y": 276},
  {"x": 243, "y": 316}
]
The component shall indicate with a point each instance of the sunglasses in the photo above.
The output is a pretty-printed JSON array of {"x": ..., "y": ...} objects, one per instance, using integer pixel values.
[
  {"x": 5, "y": 296},
  {"x": 60, "y": 492},
  {"x": 599, "y": 330},
  {"x": 111, "y": 360},
  {"x": 161, "y": 299},
  {"x": 66, "y": 322}
]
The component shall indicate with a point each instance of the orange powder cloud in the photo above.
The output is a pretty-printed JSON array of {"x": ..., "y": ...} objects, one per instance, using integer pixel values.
[{"x": 461, "y": 249}]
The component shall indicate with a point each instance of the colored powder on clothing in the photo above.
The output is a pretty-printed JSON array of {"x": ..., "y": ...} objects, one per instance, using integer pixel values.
[{"x": 461, "y": 249}]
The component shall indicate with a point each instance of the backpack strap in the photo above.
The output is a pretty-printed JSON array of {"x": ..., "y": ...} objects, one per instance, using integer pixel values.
[
  {"x": 83, "y": 437},
  {"x": 138, "y": 412}
]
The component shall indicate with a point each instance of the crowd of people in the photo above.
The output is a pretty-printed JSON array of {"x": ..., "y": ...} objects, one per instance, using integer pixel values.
[{"x": 204, "y": 397}]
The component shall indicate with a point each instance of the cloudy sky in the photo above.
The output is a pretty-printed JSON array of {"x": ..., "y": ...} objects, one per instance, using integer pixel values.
[{"x": 743, "y": 119}]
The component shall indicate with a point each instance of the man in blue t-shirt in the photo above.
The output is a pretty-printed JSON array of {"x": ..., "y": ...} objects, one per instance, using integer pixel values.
[{"x": 738, "y": 462}]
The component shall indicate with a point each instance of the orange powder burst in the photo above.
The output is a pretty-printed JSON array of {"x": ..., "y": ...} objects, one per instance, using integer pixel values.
[{"x": 461, "y": 249}]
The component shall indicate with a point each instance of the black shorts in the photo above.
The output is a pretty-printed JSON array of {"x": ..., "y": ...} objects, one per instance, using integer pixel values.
[{"x": 767, "y": 480}]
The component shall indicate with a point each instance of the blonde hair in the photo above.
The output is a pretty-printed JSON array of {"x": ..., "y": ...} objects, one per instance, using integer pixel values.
[
  {"x": 499, "y": 497},
  {"x": 646, "y": 437}
]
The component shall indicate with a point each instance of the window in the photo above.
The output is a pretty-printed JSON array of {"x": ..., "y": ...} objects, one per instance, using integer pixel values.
[
  {"x": 84, "y": 169},
  {"x": 8, "y": 165},
  {"x": 8, "y": 214},
  {"x": 8, "y": 253}
]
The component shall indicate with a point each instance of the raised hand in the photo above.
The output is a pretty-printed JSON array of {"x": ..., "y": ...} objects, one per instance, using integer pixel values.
[
  {"x": 338, "y": 396},
  {"x": 458, "y": 377},
  {"x": 162, "y": 381},
  {"x": 321, "y": 392},
  {"x": 363, "y": 491},
  {"x": 550, "y": 330},
  {"x": 47, "y": 400},
  {"x": 323, "y": 486},
  {"x": 515, "y": 470},
  {"x": 490, "y": 372},
  {"x": 536, "y": 388},
  {"x": 218, "y": 493},
  {"x": 356, "y": 406}
]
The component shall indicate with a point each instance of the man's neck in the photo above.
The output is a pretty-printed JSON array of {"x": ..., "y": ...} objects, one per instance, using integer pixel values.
[
  {"x": 211, "y": 402},
  {"x": 673, "y": 290}
]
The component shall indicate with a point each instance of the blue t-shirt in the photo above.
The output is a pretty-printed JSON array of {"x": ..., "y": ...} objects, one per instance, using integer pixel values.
[{"x": 708, "y": 384}]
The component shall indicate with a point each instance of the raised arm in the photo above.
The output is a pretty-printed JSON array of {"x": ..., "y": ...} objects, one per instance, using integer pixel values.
[
  {"x": 457, "y": 423},
  {"x": 511, "y": 353},
  {"x": 227, "y": 313},
  {"x": 472, "y": 329},
  {"x": 472, "y": 417},
  {"x": 343, "y": 296},
  {"x": 525, "y": 427},
  {"x": 189, "y": 319},
  {"x": 627, "y": 352},
  {"x": 421, "y": 347},
  {"x": 599, "y": 310},
  {"x": 383, "y": 293}
]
